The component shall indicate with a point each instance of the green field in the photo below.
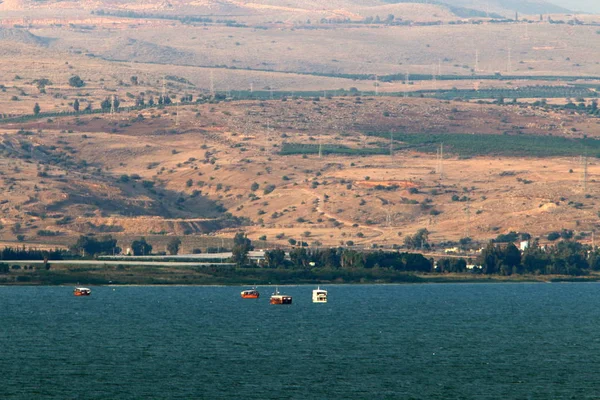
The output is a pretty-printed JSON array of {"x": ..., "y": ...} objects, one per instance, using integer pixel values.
[
  {"x": 505, "y": 145},
  {"x": 300, "y": 148}
]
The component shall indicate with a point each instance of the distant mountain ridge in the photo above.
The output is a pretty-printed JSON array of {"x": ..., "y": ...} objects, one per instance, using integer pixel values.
[
  {"x": 503, "y": 7},
  {"x": 511, "y": 6},
  {"x": 461, "y": 8}
]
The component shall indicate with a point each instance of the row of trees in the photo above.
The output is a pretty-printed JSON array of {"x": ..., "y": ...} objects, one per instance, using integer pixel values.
[
  {"x": 16, "y": 253},
  {"x": 339, "y": 258},
  {"x": 565, "y": 258},
  {"x": 90, "y": 246}
]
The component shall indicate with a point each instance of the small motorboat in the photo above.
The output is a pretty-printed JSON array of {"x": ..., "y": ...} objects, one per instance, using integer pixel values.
[
  {"x": 278, "y": 298},
  {"x": 319, "y": 295},
  {"x": 82, "y": 291},
  {"x": 250, "y": 294}
]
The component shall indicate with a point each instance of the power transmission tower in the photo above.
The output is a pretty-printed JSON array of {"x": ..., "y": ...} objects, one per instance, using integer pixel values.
[
  {"x": 468, "y": 212},
  {"x": 584, "y": 172},
  {"x": 320, "y": 147},
  {"x": 112, "y": 105},
  {"x": 440, "y": 161},
  {"x": 267, "y": 137}
]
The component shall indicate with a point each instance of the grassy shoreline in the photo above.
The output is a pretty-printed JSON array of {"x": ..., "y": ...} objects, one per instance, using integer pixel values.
[{"x": 219, "y": 276}]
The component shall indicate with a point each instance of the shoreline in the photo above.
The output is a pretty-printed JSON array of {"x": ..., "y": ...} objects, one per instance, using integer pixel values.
[{"x": 215, "y": 281}]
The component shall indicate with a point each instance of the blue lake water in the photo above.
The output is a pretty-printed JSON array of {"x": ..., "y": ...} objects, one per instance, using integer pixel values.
[{"x": 446, "y": 341}]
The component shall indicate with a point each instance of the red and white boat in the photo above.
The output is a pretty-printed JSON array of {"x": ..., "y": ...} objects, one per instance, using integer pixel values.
[
  {"x": 278, "y": 298},
  {"x": 82, "y": 291},
  {"x": 250, "y": 294}
]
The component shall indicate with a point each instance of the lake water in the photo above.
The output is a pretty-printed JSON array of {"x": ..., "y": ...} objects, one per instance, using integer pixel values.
[{"x": 446, "y": 341}]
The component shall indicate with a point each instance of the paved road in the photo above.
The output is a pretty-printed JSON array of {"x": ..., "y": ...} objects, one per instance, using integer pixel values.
[{"x": 118, "y": 262}]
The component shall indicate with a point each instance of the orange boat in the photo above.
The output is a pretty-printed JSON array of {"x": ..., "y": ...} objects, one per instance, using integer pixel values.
[
  {"x": 278, "y": 298},
  {"x": 82, "y": 291},
  {"x": 250, "y": 294}
]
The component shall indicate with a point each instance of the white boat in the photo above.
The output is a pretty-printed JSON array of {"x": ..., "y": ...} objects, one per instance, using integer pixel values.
[{"x": 319, "y": 295}]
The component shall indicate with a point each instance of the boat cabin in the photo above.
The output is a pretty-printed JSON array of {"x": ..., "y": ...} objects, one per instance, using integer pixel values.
[
  {"x": 319, "y": 295},
  {"x": 281, "y": 299},
  {"x": 81, "y": 291},
  {"x": 250, "y": 294},
  {"x": 278, "y": 298}
]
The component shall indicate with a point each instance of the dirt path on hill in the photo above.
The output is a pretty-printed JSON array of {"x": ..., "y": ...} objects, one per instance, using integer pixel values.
[{"x": 321, "y": 209}]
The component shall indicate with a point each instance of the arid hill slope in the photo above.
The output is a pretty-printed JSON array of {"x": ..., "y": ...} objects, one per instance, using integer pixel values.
[{"x": 160, "y": 173}]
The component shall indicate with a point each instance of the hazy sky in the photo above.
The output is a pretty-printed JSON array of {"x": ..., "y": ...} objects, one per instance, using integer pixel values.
[{"x": 579, "y": 5}]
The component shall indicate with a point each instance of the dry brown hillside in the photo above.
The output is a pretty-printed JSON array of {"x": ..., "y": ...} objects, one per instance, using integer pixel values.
[
  {"x": 334, "y": 146},
  {"x": 157, "y": 173}
]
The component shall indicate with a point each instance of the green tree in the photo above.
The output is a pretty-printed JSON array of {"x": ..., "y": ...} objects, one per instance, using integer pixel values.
[
  {"x": 36, "y": 109},
  {"x": 173, "y": 246},
  {"x": 76, "y": 81},
  {"x": 490, "y": 259},
  {"x": 512, "y": 256},
  {"x": 418, "y": 240},
  {"x": 241, "y": 246},
  {"x": 90, "y": 245},
  {"x": 76, "y": 105},
  {"x": 274, "y": 258},
  {"x": 106, "y": 104},
  {"x": 141, "y": 247},
  {"x": 300, "y": 257}
]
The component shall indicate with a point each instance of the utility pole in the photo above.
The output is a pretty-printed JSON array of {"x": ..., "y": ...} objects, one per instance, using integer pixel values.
[
  {"x": 320, "y": 147},
  {"x": 267, "y": 136},
  {"x": 440, "y": 161},
  {"x": 112, "y": 105},
  {"x": 584, "y": 172},
  {"x": 468, "y": 212}
]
